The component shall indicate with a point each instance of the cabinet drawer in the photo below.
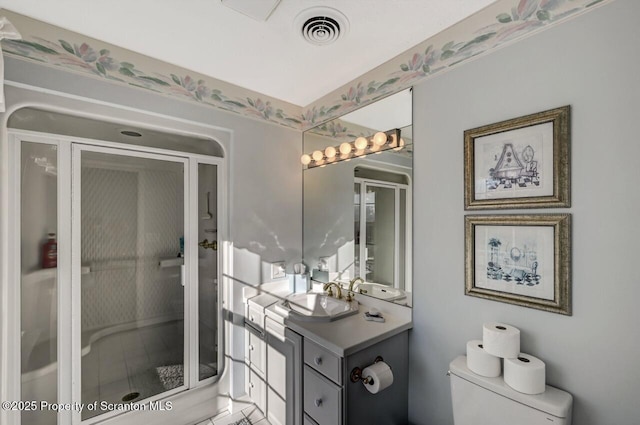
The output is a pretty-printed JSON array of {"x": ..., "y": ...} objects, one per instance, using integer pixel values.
[
  {"x": 322, "y": 399},
  {"x": 255, "y": 316},
  {"x": 323, "y": 361},
  {"x": 306, "y": 420}
]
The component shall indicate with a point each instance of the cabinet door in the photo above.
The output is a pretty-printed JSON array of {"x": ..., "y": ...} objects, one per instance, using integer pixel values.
[
  {"x": 258, "y": 390},
  {"x": 257, "y": 353},
  {"x": 276, "y": 408},
  {"x": 322, "y": 398},
  {"x": 277, "y": 371}
]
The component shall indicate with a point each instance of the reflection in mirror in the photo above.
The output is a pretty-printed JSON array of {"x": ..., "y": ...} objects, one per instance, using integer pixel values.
[{"x": 357, "y": 203}]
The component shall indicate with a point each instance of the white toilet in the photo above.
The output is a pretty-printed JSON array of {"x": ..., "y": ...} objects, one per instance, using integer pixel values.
[{"x": 489, "y": 401}]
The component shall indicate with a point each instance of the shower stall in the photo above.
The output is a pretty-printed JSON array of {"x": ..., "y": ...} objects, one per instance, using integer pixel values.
[{"x": 116, "y": 268}]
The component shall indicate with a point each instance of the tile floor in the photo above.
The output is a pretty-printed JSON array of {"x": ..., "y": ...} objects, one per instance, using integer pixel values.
[
  {"x": 147, "y": 361},
  {"x": 251, "y": 413}
]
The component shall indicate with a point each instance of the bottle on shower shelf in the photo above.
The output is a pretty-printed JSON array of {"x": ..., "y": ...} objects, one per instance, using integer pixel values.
[{"x": 50, "y": 252}]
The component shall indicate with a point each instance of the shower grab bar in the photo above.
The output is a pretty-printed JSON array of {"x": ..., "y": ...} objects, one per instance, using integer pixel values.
[{"x": 100, "y": 266}]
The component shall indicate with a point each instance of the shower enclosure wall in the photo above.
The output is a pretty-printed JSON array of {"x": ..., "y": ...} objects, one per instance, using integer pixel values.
[{"x": 116, "y": 283}]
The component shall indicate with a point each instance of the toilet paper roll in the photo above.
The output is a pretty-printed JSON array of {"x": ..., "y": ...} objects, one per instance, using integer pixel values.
[
  {"x": 481, "y": 362},
  {"x": 525, "y": 374},
  {"x": 501, "y": 340},
  {"x": 380, "y": 377}
]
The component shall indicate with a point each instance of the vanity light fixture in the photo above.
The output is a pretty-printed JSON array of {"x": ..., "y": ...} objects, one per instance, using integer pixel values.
[{"x": 362, "y": 146}]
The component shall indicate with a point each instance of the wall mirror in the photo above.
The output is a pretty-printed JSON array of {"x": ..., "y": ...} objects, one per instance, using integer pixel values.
[{"x": 357, "y": 215}]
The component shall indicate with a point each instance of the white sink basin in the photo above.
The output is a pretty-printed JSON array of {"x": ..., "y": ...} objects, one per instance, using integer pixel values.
[
  {"x": 382, "y": 292},
  {"x": 315, "y": 307}
]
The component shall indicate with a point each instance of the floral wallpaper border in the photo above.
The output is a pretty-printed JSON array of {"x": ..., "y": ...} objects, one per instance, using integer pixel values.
[
  {"x": 501, "y": 23},
  {"x": 496, "y": 25},
  {"x": 57, "y": 47}
]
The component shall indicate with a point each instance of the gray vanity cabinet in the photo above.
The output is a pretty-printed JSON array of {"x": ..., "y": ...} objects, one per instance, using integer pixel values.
[
  {"x": 323, "y": 392},
  {"x": 331, "y": 398},
  {"x": 389, "y": 406}
]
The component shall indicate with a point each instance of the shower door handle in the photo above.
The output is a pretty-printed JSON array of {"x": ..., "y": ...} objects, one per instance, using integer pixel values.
[{"x": 182, "y": 279}]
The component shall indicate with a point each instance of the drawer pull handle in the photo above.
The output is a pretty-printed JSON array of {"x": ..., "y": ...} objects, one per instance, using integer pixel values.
[
  {"x": 318, "y": 361},
  {"x": 251, "y": 318},
  {"x": 251, "y": 385},
  {"x": 251, "y": 348},
  {"x": 318, "y": 402}
]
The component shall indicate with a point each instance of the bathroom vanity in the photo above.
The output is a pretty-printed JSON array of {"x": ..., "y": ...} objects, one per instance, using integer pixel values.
[
  {"x": 308, "y": 366},
  {"x": 331, "y": 397},
  {"x": 302, "y": 357}
]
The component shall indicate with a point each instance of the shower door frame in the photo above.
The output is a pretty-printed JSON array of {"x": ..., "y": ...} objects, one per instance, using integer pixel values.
[
  {"x": 362, "y": 254},
  {"x": 76, "y": 274},
  {"x": 69, "y": 267}
]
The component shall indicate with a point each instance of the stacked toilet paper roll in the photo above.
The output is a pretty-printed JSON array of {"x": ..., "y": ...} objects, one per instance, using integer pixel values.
[
  {"x": 501, "y": 340},
  {"x": 525, "y": 374},
  {"x": 522, "y": 372},
  {"x": 481, "y": 362},
  {"x": 379, "y": 376}
]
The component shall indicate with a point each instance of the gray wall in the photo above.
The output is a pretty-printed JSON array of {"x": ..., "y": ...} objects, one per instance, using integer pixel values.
[
  {"x": 590, "y": 63},
  {"x": 264, "y": 168}
]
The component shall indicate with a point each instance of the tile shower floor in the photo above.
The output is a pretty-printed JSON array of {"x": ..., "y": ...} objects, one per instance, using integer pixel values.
[
  {"x": 146, "y": 361},
  {"x": 130, "y": 361}
]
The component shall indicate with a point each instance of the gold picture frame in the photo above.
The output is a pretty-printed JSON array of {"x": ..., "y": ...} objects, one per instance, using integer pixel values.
[
  {"x": 520, "y": 259},
  {"x": 519, "y": 163}
]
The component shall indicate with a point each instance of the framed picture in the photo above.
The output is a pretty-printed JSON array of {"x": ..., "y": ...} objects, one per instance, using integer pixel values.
[
  {"x": 519, "y": 163},
  {"x": 520, "y": 259}
]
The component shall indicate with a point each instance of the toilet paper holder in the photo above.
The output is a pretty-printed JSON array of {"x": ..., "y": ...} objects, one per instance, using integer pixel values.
[{"x": 356, "y": 372}]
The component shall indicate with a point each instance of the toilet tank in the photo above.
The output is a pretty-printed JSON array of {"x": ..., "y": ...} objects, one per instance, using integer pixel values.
[{"x": 478, "y": 400}]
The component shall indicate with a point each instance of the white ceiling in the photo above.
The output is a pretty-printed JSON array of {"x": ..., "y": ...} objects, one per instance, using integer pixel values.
[{"x": 270, "y": 56}]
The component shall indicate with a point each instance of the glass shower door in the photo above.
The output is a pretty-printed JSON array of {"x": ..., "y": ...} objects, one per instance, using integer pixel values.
[
  {"x": 380, "y": 233},
  {"x": 208, "y": 262},
  {"x": 130, "y": 226},
  {"x": 38, "y": 279}
]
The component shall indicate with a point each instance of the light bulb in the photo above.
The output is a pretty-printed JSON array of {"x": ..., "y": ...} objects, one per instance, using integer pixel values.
[
  {"x": 379, "y": 138},
  {"x": 394, "y": 141},
  {"x": 305, "y": 159},
  {"x": 345, "y": 148},
  {"x": 400, "y": 146},
  {"x": 361, "y": 143},
  {"x": 330, "y": 152},
  {"x": 317, "y": 155}
]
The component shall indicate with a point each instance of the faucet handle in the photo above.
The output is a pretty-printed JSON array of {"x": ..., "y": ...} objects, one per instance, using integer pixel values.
[{"x": 330, "y": 291}]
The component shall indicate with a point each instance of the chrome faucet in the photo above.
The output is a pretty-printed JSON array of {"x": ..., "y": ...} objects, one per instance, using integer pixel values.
[{"x": 327, "y": 287}]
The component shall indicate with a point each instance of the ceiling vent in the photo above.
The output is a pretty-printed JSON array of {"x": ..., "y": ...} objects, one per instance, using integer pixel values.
[{"x": 321, "y": 25}]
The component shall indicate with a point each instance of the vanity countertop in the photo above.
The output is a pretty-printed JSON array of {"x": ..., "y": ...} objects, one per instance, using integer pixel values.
[{"x": 347, "y": 335}]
